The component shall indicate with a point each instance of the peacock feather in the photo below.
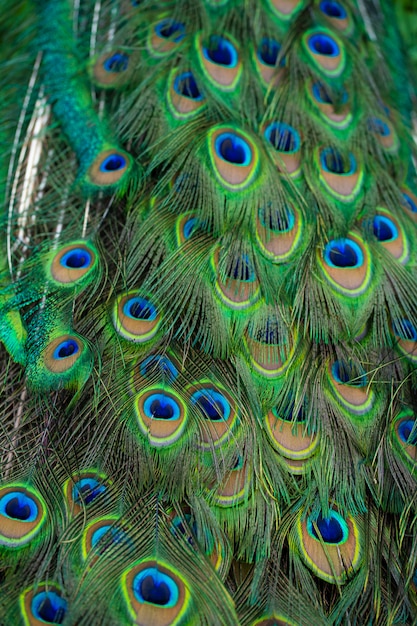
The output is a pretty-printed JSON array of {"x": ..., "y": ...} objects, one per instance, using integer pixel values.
[{"x": 208, "y": 313}]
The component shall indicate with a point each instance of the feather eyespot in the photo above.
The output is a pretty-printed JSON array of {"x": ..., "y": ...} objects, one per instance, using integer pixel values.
[
  {"x": 61, "y": 354},
  {"x": 337, "y": 15},
  {"x": 340, "y": 174},
  {"x": 286, "y": 9},
  {"x": 404, "y": 434},
  {"x": 286, "y": 143},
  {"x": 278, "y": 231},
  {"x": 155, "y": 593},
  {"x": 410, "y": 204},
  {"x": 266, "y": 60},
  {"x": 185, "y": 97},
  {"x": 22, "y": 514},
  {"x": 346, "y": 265},
  {"x": 270, "y": 349},
  {"x": 219, "y": 411},
  {"x": 390, "y": 234},
  {"x": 326, "y": 51},
  {"x": 135, "y": 317},
  {"x": 165, "y": 36},
  {"x": 161, "y": 416},
  {"x": 237, "y": 285},
  {"x": 234, "y": 488},
  {"x": 341, "y": 553},
  {"x": 290, "y": 437},
  {"x": 112, "y": 69},
  {"x": 219, "y": 60},
  {"x": 45, "y": 606},
  {"x": 72, "y": 263},
  {"x": 109, "y": 167},
  {"x": 349, "y": 385},
  {"x": 103, "y": 535},
  {"x": 384, "y": 132},
  {"x": 405, "y": 333},
  {"x": 82, "y": 490},
  {"x": 234, "y": 157},
  {"x": 336, "y": 110}
]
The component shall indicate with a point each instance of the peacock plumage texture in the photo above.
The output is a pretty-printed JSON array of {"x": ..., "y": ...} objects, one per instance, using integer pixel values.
[{"x": 208, "y": 314}]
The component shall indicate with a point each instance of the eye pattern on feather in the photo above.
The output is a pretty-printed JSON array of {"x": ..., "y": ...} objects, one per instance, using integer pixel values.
[{"x": 208, "y": 322}]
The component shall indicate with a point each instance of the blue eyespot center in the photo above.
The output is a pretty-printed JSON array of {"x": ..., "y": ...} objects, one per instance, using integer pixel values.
[
  {"x": 405, "y": 330},
  {"x": 221, "y": 52},
  {"x": 233, "y": 149},
  {"x": 49, "y": 607},
  {"x": 384, "y": 228},
  {"x": 276, "y": 220},
  {"x": 349, "y": 374},
  {"x": 170, "y": 29},
  {"x": 140, "y": 309},
  {"x": 155, "y": 587},
  {"x": 408, "y": 432},
  {"x": 343, "y": 253},
  {"x": 379, "y": 127},
  {"x": 268, "y": 52},
  {"x": 18, "y": 506},
  {"x": 117, "y": 62},
  {"x": 332, "y": 529},
  {"x": 268, "y": 333},
  {"x": 86, "y": 490},
  {"x": 78, "y": 258},
  {"x": 186, "y": 85},
  {"x": 331, "y": 8},
  {"x": 159, "y": 364},
  {"x": 282, "y": 137},
  {"x": 213, "y": 405},
  {"x": 240, "y": 268},
  {"x": 410, "y": 203},
  {"x": 67, "y": 348},
  {"x": 323, "y": 44},
  {"x": 113, "y": 163},
  {"x": 161, "y": 406},
  {"x": 332, "y": 161}
]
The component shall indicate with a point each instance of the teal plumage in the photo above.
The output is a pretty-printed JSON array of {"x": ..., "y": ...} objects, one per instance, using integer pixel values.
[{"x": 208, "y": 315}]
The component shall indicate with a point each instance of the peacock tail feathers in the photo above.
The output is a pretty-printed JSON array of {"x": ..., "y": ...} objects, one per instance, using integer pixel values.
[{"x": 208, "y": 314}]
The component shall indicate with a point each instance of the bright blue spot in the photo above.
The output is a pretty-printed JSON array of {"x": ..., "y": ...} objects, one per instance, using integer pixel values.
[
  {"x": 159, "y": 364},
  {"x": 66, "y": 348},
  {"x": 213, "y": 405},
  {"x": 280, "y": 221},
  {"x": 185, "y": 85},
  {"x": 282, "y": 137},
  {"x": 350, "y": 375},
  {"x": 410, "y": 203},
  {"x": 405, "y": 330},
  {"x": 233, "y": 149},
  {"x": 379, "y": 127},
  {"x": 113, "y": 163},
  {"x": 117, "y": 62},
  {"x": 405, "y": 429},
  {"x": 323, "y": 44},
  {"x": 333, "y": 529},
  {"x": 139, "y": 309},
  {"x": 170, "y": 29},
  {"x": 155, "y": 587},
  {"x": 268, "y": 52},
  {"x": 108, "y": 535},
  {"x": 161, "y": 406},
  {"x": 189, "y": 227},
  {"x": 332, "y": 161},
  {"x": 343, "y": 253},
  {"x": 86, "y": 490},
  {"x": 19, "y": 506},
  {"x": 49, "y": 607},
  {"x": 77, "y": 258},
  {"x": 384, "y": 228},
  {"x": 241, "y": 269},
  {"x": 333, "y": 9},
  {"x": 221, "y": 52}
]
